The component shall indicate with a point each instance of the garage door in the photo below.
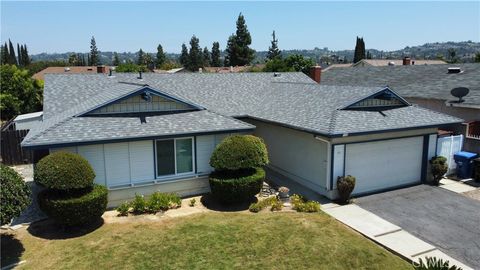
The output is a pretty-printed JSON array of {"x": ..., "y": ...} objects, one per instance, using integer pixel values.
[{"x": 384, "y": 164}]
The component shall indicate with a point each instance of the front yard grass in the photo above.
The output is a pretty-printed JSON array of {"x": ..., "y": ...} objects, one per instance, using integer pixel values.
[{"x": 213, "y": 241}]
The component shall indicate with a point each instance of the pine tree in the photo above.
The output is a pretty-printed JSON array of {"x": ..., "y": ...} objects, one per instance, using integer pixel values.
[
  {"x": 141, "y": 58},
  {"x": 184, "y": 56},
  {"x": 273, "y": 51},
  {"x": 19, "y": 56},
  {"x": 231, "y": 52},
  {"x": 12, "y": 58},
  {"x": 243, "y": 39},
  {"x": 161, "y": 57},
  {"x": 4, "y": 54},
  {"x": 93, "y": 53},
  {"x": 25, "y": 56},
  {"x": 369, "y": 55},
  {"x": 359, "y": 50},
  {"x": 195, "y": 55},
  {"x": 206, "y": 57},
  {"x": 116, "y": 60},
  {"x": 215, "y": 56}
]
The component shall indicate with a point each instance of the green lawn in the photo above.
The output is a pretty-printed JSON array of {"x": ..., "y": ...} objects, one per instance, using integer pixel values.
[{"x": 213, "y": 241}]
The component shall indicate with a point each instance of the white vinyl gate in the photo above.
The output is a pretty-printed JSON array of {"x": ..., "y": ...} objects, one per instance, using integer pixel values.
[{"x": 447, "y": 147}]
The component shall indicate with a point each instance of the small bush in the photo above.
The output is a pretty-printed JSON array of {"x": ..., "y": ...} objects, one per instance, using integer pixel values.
[
  {"x": 301, "y": 204},
  {"x": 433, "y": 263},
  {"x": 260, "y": 205},
  {"x": 74, "y": 209},
  {"x": 309, "y": 207},
  {"x": 439, "y": 168},
  {"x": 276, "y": 205},
  {"x": 162, "y": 202},
  {"x": 345, "y": 186},
  {"x": 228, "y": 187},
  {"x": 123, "y": 209},
  {"x": 239, "y": 152},
  {"x": 139, "y": 205},
  {"x": 64, "y": 171},
  {"x": 192, "y": 202},
  {"x": 14, "y": 194}
]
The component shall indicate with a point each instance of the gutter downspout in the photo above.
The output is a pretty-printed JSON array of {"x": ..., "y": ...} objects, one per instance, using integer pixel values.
[{"x": 329, "y": 160}]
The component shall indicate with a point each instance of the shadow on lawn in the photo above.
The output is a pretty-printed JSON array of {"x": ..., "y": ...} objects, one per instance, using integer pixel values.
[
  {"x": 12, "y": 249},
  {"x": 209, "y": 202},
  {"x": 48, "y": 229}
]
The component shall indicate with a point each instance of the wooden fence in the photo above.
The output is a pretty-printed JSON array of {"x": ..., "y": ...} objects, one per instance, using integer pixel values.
[{"x": 11, "y": 151}]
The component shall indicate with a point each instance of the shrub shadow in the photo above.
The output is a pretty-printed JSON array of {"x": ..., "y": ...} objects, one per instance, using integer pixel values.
[
  {"x": 11, "y": 249},
  {"x": 209, "y": 202},
  {"x": 48, "y": 229}
]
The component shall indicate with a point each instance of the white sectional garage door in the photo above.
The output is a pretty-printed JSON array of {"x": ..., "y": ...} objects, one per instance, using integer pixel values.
[{"x": 384, "y": 164}]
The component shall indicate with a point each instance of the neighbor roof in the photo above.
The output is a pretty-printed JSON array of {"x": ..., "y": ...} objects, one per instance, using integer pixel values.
[
  {"x": 418, "y": 81},
  {"x": 399, "y": 62},
  {"x": 66, "y": 70},
  {"x": 288, "y": 99}
]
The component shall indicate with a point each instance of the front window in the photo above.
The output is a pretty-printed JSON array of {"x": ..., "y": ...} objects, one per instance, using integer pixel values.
[{"x": 174, "y": 156}]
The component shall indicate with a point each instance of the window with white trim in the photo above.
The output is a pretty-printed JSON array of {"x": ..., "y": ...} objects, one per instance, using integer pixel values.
[{"x": 174, "y": 157}]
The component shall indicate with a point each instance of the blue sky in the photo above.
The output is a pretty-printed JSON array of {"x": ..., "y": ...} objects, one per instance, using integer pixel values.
[{"x": 128, "y": 26}]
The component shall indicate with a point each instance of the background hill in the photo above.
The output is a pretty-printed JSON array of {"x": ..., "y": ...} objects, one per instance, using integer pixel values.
[{"x": 464, "y": 52}]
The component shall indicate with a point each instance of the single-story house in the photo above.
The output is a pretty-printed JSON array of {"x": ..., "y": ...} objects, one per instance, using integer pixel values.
[
  {"x": 157, "y": 131},
  {"x": 428, "y": 86}
]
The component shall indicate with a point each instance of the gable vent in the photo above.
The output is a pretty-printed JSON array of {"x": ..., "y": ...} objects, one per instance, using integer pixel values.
[{"x": 454, "y": 70}]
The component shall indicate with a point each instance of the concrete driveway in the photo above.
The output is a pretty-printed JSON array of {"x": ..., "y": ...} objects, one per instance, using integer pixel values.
[{"x": 445, "y": 219}]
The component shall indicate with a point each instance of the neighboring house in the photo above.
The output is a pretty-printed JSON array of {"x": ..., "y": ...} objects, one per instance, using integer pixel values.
[
  {"x": 172, "y": 71},
  {"x": 70, "y": 70},
  {"x": 387, "y": 62},
  {"x": 28, "y": 120},
  {"x": 428, "y": 86},
  {"x": 233, "y": 69},
  {"x": 158, "y": 132}
]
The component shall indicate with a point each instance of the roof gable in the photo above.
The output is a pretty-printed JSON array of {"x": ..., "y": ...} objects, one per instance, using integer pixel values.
[
  {"x": 143, "y": 100},
  {"x": 384, "y": 99}
]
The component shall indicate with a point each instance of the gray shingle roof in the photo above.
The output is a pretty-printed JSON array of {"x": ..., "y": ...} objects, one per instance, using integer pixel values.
[
  {"x": 290, "y": 99},
  {"x": 418, "y": 81}
]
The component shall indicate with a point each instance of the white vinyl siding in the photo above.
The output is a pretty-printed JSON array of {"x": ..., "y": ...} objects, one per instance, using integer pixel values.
[
  {"x": 94, "y": 155},
  {"x": 205, "y": 147},
  {"x": 117, "y": 164},
  {"x": 141, "y": 161}
]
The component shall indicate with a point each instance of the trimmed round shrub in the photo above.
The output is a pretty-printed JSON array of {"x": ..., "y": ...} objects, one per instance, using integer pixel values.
[
  {"x": 64, "y": 171},
  {"x": 74, "y": 209},
  {"x": 235, "y": 187},
  {"x": 345, "y": 186},
  {"x": 239, "y": 152},
  {"x": 14, "y": 194}
]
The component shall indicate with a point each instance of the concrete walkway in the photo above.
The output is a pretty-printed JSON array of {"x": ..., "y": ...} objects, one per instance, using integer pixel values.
[{"x": 386, "y": 234}]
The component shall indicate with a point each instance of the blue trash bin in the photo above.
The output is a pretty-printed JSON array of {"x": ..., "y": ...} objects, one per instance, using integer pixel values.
[{"x": 464, "y": 161}]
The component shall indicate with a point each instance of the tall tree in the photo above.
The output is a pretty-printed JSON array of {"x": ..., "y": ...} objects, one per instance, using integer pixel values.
[
  {"x": 12, "y": 58},
  {"x": 215, "y": 56},
  {"x": 240, "y": 54},
  {"x": 141, "y": 58},
  {"x": 73, "y": 59},
  {"x": 476, "y": 59},
  {"x": 273, "y": 50},
  {"x": 94, "y": 60},
  {"x": 26, "y": 57},
  {"x": 231, "y": 52},
  {"x": 195, "y": 55},
  {"x": 116, "y": 59},
  {"x": 359, "y": 50},
  {"x": 19, "y": 55},
  {"x": 184, "y": 56},
  {"x": 206, "y": 57},
  {"x": 161, "y": 57},
  {"x": 369, "y": 55},
  {"x": 4, "y": 55}
]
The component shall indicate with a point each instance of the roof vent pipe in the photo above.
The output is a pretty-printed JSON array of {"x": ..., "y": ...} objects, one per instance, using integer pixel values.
[
  {"x": 140, "y": 75},
  {"x": 110, "y": 72}
]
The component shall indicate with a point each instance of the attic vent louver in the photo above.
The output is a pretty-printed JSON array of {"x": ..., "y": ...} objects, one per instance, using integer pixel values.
[
  {"x": 454, "y": 70},
  {"x": 275, "y": 74}
]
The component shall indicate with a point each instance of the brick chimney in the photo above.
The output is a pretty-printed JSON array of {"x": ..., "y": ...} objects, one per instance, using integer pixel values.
[
  {"x": 406, "y": 61},
  {"x": 101, "y": 69},
  {"x": 316, "y": 73}
]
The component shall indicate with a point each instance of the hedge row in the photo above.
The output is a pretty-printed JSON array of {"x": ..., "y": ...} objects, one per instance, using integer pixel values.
[{"x": 239, "y": 189}]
